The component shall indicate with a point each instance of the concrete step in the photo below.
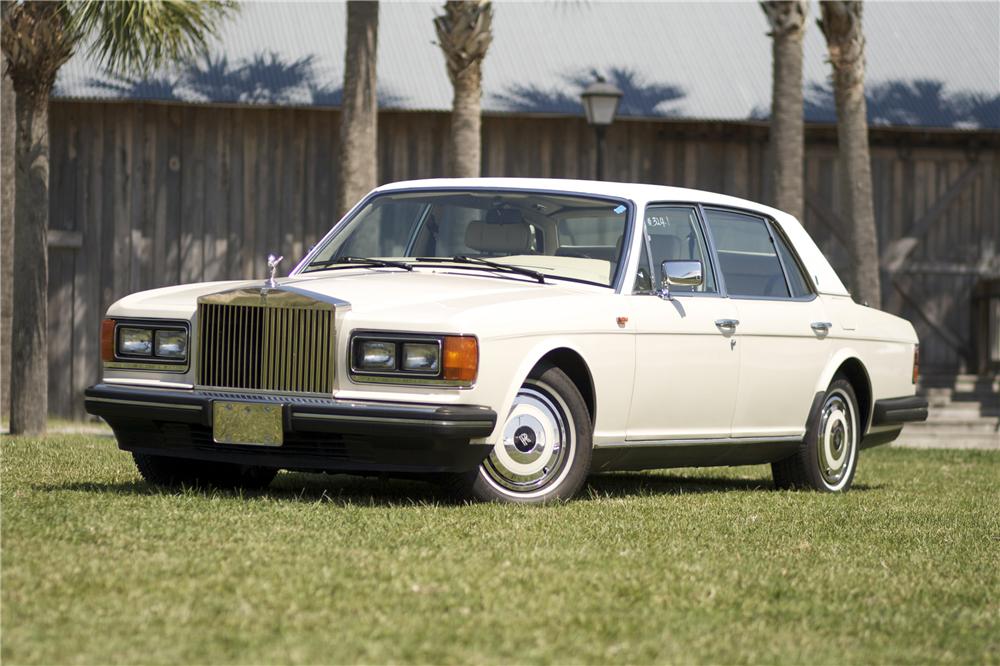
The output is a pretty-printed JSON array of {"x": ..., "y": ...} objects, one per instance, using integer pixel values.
[
  {"x": 962, "y": 418},
  {"x": 913, "y": 439},
  {"x": 953, "y": 427}
]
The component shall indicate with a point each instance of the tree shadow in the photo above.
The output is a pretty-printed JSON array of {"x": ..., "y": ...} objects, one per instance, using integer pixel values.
[
  {"x": 639, "y": 99},
  {"x": 264, "y": 78},
  {"x": 916, "y": 103}
]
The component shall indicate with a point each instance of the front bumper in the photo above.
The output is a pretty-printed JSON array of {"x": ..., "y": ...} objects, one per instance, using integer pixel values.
[{"x": 319, "y": 433}]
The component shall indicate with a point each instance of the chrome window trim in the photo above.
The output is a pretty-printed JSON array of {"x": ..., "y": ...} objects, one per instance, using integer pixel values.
[
  {"x": 616, "y": 285},
  {"x": 154, "y": 363}
]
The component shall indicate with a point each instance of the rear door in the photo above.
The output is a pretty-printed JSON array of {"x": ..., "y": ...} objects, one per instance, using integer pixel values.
[{"x": 781, "y": 333}]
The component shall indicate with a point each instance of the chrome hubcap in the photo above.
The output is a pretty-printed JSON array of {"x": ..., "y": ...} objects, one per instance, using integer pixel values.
[
  {"x": 537, "y": 443},
  {"x": 837, "y": 439}
]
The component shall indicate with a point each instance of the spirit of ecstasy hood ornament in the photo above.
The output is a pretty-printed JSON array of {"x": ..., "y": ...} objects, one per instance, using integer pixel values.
[{"x": 272, "y": 266}]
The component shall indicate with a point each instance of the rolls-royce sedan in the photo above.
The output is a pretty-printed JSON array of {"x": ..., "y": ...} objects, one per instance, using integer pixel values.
[{"x": 510, "y": 336}]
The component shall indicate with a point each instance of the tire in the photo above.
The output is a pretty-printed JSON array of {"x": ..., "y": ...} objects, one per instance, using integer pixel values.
[
  {"x": 172, "y": 472},
  {"x": 545, "y": 450},
  {"x": 828, "y": 456}
]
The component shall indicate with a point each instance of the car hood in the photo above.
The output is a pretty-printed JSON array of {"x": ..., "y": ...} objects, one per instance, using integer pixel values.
[{"x": 425, "y": 293}]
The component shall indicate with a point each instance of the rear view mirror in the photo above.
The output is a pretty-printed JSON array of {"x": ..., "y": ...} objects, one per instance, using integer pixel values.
[{"x": 685, "y": 273}]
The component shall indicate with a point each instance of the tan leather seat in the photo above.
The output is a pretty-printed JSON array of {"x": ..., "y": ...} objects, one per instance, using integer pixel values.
[{"x": 498, "y": 238}]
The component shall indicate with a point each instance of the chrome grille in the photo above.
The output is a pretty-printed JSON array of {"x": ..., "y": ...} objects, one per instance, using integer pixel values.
[{"x": 265, "y": 347}]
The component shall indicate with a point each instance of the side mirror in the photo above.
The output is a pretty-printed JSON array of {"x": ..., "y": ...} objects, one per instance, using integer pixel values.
[{"x": 685, "y": 273}]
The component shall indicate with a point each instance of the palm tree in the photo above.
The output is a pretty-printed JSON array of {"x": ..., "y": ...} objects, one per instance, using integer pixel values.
[
  {"x": 6, "y": 229},
  {"x": 788, "y": 22},
  {"x": 358, "y": 163},
  {"x": 464, "y": 32},
  {"x": 845, "y": 41},
  {"x": 37, "y": 39}
]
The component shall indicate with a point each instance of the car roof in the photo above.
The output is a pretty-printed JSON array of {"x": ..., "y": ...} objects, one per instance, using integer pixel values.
[{"x": 824, "y": 277}]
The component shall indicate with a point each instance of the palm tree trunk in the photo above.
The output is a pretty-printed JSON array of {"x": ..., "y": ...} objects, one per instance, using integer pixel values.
[
  {"x": 465, "y": 32},
  {"x": 841, "y": 24},
  {"x": 466, "y": 124},
  {"x": 358, "y": 164},
  {"x": 29, "y": 376},
  {"x": 788, "y": 20},
  {"x": 7, "y": 122}
]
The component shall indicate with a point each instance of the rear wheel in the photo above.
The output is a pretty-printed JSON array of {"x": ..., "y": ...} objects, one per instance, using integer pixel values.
[
  {"x": 174, "y": 472},
  {"x": 828, "y": 457},
  {"x": 544, "y": 452}
]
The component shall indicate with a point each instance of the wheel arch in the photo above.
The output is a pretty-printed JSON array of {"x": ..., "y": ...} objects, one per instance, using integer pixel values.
[
  {"x": 848, "y": 365},
  {"x": 571, "y": 362},
  {"x": 568, "y": 358}
]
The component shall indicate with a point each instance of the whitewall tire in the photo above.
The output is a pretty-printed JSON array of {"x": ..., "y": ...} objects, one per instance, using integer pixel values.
[
  {"x": 828, "y": 457},
  {"x": 545, "y": 447}
]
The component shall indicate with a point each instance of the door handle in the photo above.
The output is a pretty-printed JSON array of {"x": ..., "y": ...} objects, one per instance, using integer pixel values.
[
  {"x": 728, "y": 324},
  {"x": 821, "y": 326}
]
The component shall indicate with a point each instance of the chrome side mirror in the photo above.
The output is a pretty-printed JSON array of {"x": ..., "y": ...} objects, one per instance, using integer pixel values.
[{"x": 684, "y": 273}]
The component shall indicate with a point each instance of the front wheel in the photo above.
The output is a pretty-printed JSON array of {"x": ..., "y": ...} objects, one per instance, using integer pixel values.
[
  {"x": 828, "y": 456},
  {"x": 544, "y": 453}
]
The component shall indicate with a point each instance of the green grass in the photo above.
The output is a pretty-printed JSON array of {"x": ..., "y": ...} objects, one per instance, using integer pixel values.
[{"x": 683, "y": 566}]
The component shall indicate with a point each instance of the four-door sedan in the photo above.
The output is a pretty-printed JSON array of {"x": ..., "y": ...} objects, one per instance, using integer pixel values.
[{"x": 510, "y": 336}]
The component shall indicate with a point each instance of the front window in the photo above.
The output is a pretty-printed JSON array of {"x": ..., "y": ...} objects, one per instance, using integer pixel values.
[
  {"x": 561, "y": 236},
  {"x": 673, "y": 234}
]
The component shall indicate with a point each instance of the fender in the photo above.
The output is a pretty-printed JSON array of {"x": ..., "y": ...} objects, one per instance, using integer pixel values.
[
  {"x": 833, "y": 364},
  {"x": 535, "y": 354}
]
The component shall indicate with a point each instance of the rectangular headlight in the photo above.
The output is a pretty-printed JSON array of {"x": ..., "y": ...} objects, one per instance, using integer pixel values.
[
  {"x": 171, "y": 343},
  {"x": 376, "y": 355},
  {"x": 135, "y": 341},
  {"x": 421, "y": 357}
]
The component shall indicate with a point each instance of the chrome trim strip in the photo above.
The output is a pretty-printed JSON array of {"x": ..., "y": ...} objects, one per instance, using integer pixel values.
[
  {"x": 388, "y": 419},
  {"x": 143, "y": 403},
  {"x": 645, "y": 443}
]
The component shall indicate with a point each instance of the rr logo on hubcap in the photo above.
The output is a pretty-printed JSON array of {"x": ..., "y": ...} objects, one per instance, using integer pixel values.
[{"x": 524, "y": 439}]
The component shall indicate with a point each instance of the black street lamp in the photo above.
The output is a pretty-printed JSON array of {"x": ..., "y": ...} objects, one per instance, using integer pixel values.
[{"x": 600, "y": 103}]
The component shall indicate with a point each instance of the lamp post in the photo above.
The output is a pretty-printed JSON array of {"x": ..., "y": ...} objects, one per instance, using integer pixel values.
[{"x": 600, "y": 102}]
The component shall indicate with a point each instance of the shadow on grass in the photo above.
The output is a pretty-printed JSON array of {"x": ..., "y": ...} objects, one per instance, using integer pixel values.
[
  {"x": 625, "y": 484},
  {"x": 347, "y": 490}
]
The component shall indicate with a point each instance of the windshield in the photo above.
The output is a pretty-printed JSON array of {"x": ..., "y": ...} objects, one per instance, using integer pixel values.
[{"x": 550, "y": 235}]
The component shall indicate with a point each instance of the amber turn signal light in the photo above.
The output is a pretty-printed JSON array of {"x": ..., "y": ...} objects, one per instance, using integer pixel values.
[
  {"x": 108, "y": 340},
  {"x": 461, "y": 359}
]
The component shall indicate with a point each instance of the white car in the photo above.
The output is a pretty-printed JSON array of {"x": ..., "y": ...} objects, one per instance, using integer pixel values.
[{"x": 510, "y": 336}]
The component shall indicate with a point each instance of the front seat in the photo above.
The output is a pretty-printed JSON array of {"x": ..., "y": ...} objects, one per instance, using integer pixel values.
[{"x": 498, "y": 239}]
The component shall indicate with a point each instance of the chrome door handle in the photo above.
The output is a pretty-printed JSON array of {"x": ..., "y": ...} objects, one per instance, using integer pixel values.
[
  {"x": 729, "y": 324},
  {"x": 821, "y": 326}
]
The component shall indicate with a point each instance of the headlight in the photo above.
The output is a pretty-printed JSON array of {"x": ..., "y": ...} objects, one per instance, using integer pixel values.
[
  {"x": 402, "y": 358},
  {"x": 135, "y": 341},
  {"x": 377, "y": 355},
  {"x": 421, "y": 356},
  {"x": 144, "y": 342},
  {"x": 171, "y": 343}
]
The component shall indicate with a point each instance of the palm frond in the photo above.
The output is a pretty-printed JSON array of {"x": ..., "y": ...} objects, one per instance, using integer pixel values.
[{"x": 137, "y": 36}]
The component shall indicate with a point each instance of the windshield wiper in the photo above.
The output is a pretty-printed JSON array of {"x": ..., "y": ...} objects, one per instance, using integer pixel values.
[
  {"x": 359, "y": 261},
  {"x": 464, "y": 259}
]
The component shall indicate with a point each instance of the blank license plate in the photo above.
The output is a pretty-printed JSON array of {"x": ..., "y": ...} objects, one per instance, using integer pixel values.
[{"x": 256, "y": 423}]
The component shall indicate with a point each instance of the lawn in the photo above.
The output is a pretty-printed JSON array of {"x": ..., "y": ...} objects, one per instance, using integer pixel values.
[{"x": 681, "y": 566}]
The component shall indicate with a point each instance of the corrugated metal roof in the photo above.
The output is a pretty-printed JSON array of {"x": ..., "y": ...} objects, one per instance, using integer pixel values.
[{"x": 932, "y": 64}]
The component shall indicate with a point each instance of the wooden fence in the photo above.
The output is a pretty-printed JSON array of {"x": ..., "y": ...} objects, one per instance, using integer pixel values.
[{"x": 148, "y": 195}]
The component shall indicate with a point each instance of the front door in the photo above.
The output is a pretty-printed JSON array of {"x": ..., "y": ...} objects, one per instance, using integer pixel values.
[{"x": 687, "y": 356}]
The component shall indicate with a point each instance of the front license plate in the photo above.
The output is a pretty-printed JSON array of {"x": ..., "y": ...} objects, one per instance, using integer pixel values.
[{"x": 256, "y": 423}]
